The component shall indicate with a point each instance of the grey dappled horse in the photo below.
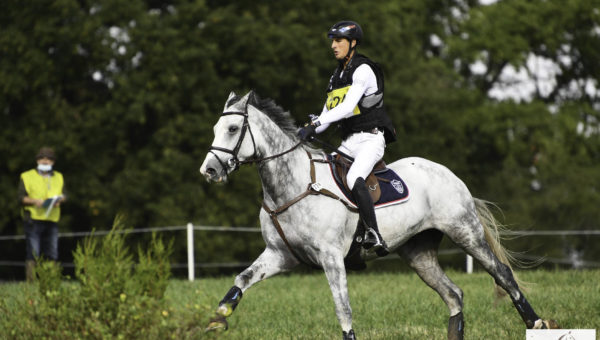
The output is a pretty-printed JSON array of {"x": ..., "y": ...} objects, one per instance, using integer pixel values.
[{"x": 301, "y": 221}]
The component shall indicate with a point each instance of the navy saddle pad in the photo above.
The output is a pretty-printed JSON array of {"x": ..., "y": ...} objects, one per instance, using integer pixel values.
[{"x": 393, "y": 188}]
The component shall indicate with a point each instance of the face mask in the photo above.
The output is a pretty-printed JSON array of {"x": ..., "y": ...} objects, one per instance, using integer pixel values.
[{"x": 44, "y": 167}]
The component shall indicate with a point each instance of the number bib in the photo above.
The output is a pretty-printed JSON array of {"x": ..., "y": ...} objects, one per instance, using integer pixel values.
[{"x": 335, "y": 97}]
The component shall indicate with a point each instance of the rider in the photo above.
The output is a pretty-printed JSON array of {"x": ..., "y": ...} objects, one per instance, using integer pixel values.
[{"x": 355, "y": 100}]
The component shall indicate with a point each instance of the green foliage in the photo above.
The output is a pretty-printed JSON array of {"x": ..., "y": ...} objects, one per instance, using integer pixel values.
[
  {"x": 116, "y": 297},
  {"x": 49, "y": 275},
  {"x": 128, "y": 92}
]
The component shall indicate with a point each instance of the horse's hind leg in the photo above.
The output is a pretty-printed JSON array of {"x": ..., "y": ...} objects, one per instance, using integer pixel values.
[
  {"x": 470, "y": 236},
  {"x": 421, "y": 254},
  {"x": 269, "y": 263}
]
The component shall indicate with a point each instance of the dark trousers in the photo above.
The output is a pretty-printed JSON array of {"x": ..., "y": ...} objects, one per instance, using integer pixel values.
[{"x": 41, "y": 238}]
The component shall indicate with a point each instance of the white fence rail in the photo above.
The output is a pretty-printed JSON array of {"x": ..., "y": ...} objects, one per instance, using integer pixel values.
[
  {"x": 191, "y": 264},
  {"x": 469, "y": 258}
]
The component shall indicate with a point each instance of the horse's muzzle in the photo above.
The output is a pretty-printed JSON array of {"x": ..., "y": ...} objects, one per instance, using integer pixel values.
[
  {"x": 213, "y": 171},
  {"x": 213, "y": 175}
]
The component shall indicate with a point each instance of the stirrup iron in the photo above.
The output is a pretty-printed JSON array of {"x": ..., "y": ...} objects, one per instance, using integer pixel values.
[{"x": 373, "y": 240}]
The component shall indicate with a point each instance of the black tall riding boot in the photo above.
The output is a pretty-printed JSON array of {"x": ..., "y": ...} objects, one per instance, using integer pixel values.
[{"x": 366, "y": 211}]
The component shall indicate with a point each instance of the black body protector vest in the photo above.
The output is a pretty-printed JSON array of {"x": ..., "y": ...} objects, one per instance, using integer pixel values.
[{"x": 369, "y": 113}]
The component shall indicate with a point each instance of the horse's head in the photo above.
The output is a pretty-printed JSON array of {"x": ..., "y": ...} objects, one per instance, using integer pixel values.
[{"x": 233, "y": 141}]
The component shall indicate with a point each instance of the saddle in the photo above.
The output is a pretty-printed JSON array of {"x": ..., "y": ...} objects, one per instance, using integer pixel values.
[
  {"x": 342, "y": 165},
  {"x": 386, "y": 188}
]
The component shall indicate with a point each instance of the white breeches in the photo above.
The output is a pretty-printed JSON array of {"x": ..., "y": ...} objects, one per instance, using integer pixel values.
[{"x": 367, "y": 149}]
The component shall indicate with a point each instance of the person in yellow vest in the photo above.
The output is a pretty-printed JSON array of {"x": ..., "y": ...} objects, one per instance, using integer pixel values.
[{"x": 41, "y": 192}]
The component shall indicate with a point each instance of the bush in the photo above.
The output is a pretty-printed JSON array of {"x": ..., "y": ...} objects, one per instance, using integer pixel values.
[{"x": 114, "y": 297}]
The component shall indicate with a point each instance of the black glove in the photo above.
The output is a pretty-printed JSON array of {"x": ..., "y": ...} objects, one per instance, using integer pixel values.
[{"x": 307, "y": 132}]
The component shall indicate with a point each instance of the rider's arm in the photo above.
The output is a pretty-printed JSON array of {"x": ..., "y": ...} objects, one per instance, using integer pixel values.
[
  {"x": 322, "y": 127},
  {"x": 362, "y": 83}
]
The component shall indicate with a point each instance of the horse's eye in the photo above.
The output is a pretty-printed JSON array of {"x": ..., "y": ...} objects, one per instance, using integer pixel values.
[{"x": 233, "y": 129}]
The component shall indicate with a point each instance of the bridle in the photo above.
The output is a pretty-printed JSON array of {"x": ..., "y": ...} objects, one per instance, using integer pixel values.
[
  {"x": 234, "y": 163},
  {"x": 313, "y": 188}
]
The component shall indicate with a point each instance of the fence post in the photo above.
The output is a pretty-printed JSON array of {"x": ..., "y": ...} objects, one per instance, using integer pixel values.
[
  {"x": 469, "y": 264},
  {"x": 190, "y": 249}
]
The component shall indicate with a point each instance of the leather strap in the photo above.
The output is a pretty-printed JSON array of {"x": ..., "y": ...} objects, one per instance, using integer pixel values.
[
  {"x": 312, "y": 189},
  {"x": 273, "y": 214}
]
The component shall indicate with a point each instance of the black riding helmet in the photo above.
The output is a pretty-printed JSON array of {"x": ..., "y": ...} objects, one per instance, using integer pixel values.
[
  {"x": 349, "y": 30},
  {"x": 346, "y": 29}
]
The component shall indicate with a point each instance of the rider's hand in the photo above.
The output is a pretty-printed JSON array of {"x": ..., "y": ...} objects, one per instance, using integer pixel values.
[{"x": 307, "y": 132}]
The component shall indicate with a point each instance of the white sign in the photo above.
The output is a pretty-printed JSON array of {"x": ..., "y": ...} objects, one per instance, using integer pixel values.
[{"x": 560, "y": 334}]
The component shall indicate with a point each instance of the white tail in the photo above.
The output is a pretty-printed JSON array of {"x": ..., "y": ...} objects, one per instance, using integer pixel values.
[{"x": 492, "y": 229}]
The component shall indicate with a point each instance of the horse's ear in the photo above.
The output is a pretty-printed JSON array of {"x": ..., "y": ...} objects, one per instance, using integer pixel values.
[
  {"x": 252, "y": 98},
  {"x": 247, "y": 99},
  {"x": 228, "y": 103},
  {"x": 231, "y": 96},
  {"x": 235, "y": 103}
]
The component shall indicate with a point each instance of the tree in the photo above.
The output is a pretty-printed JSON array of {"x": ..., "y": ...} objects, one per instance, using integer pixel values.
[{"x": 128, "y": 93}]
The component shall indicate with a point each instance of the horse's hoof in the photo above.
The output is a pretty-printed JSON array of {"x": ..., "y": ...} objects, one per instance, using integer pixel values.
[
  {"x": 217, "y": 324},
  {"x": 349, "y": 335},
  {"x": 546, "y": 324},
  {"x": 456, "y": 327}
]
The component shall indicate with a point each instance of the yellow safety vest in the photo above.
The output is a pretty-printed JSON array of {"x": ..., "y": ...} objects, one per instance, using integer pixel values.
[{"x": 43, "y": 187}]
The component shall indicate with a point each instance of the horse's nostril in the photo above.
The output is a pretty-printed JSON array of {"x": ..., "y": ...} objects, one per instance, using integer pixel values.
[{"x": 211, "y": 171}]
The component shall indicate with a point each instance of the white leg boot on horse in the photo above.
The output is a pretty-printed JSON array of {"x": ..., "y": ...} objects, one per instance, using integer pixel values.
[{"x": 372, "y": 240}]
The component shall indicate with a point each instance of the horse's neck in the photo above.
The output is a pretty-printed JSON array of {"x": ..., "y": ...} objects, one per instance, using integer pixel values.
[{"x": 285, "y": 177}]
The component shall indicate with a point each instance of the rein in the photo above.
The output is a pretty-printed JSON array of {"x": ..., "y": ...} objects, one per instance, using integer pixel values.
[
  {"x": 258, "y": 160},
  {"x": 332, "y": 148}
]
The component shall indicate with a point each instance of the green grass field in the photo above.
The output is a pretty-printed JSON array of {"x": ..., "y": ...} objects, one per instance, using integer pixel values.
[
  {"x": 385, "y": 305},
  {"x": 393, "y": 306}
]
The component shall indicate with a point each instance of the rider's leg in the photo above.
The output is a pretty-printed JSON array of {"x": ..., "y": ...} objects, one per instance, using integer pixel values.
[
  {"x": 366, "y": 211},
  {"x": 367, "y": 149}
]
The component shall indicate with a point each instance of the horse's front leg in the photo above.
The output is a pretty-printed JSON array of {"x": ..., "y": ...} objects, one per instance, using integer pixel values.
[
  {"x": 269, "y": 263},
  {"x": 333, "y": 265}
]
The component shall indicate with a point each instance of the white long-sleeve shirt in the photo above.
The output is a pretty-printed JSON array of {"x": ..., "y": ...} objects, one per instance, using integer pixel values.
[{"x": 364, "y": 83}]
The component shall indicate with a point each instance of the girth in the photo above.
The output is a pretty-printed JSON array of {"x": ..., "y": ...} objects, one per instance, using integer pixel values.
[{"x": 313, "y": 188}]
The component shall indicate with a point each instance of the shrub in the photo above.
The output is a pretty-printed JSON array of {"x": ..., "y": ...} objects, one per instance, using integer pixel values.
[{"x": 114, "y": 297}]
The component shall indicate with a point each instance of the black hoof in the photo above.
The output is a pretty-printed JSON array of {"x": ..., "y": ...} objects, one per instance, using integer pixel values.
[
  {"x": 350, "y": 335},
  {"x": 456, "y": 327}
]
